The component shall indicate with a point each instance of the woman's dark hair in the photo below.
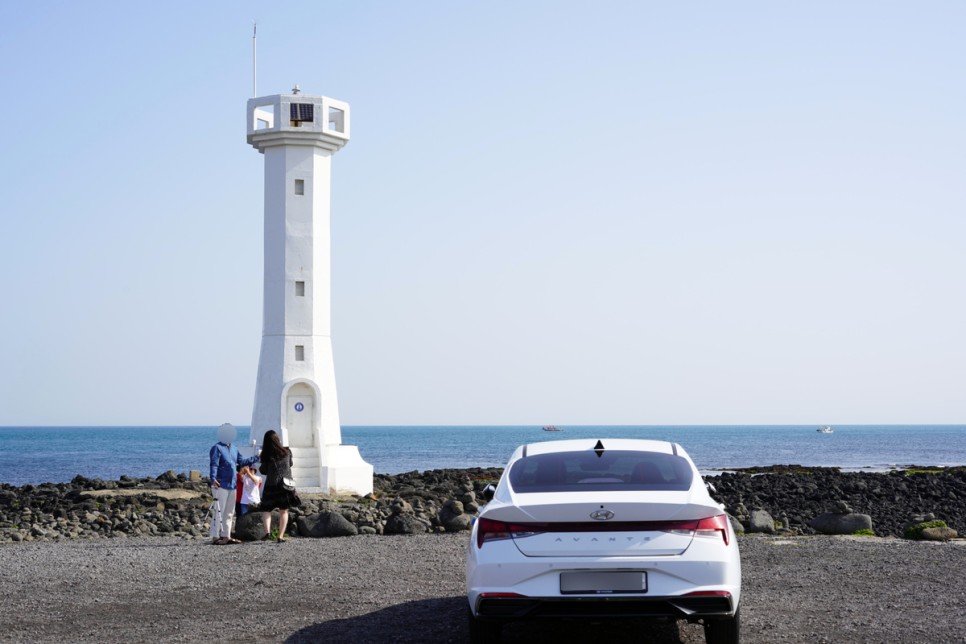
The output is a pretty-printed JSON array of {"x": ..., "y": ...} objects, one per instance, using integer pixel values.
[{"x": 272, "y": 448}]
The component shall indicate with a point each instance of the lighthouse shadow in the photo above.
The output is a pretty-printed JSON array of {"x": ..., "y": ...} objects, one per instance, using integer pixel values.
[{"x": 444, "y": 620}]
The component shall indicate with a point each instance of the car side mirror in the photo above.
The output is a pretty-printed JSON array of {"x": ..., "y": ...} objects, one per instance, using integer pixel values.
[
  {"x": 710, "y": 487},
  {"x": 489, "y": 491}
]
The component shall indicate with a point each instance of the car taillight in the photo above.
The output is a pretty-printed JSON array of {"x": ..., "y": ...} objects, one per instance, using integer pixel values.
[
  {"x": 490, "y": 530},
  {"x": 712, "y": 526}
]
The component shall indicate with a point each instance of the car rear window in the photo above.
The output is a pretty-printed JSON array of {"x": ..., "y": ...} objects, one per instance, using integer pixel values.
[{"x": 613, "y": 470}]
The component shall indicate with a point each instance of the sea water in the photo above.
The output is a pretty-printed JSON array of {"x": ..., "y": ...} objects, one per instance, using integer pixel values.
[{"x": 57, "y": 454}]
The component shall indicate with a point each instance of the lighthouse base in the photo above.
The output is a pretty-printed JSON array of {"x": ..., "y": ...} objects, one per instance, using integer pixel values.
[
  {"x": 331, "y": 469},
  {"x": 345, "y": 471}
]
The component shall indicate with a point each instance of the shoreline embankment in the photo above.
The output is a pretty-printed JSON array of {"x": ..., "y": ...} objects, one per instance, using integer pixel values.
[{"x": 783, "y": 499}]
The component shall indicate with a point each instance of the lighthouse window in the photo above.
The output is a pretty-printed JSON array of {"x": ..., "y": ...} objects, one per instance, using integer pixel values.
[
  {"x": 300, "y": 186},
  {"x": 264, "y": 117},
  {"x": 299, "y": 353},
  {"x": 299, "y": 112},
  {"x": 300, "y": 289},
  {"x": 337, "y": 119}
]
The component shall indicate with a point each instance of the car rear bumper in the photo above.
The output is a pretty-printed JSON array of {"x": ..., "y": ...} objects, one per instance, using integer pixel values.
[
  {"x": 500, "y": 569},
  {"x": 677, "y": 607}
]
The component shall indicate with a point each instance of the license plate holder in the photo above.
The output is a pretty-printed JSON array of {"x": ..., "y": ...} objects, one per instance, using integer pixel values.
[{"x": 587, "y": 582}]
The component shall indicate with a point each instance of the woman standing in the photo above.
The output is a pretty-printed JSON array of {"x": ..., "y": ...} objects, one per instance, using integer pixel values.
[{"x": 276, "y": 465}]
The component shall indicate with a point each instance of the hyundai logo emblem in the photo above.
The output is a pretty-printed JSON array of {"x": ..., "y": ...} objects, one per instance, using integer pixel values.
[{"x": 602, "y": 515}]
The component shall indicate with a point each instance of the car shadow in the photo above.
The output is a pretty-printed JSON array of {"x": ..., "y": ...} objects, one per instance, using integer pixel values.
[{"x": 444, "y": 620}]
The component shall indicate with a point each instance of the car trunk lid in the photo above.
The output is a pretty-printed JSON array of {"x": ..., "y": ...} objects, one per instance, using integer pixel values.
[{"x": 623, "y": 524}]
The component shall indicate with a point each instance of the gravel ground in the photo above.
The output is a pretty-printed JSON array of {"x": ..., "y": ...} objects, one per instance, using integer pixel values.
[{"x": 410, "y": 589}]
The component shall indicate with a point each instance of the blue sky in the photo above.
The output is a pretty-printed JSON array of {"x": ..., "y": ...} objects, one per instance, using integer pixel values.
[{"x": 624, "y": 213}]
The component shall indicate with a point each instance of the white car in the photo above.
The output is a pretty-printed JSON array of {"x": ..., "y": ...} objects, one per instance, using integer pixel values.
[{"x": 598, "y": 529}]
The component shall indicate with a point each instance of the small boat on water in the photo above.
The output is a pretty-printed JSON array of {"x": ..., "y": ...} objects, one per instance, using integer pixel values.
[
  {"x": 551, "y": 428},
  {"x": 824, "y": 430}
]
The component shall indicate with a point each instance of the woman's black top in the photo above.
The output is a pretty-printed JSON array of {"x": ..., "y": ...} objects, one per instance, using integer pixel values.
[{"x": 276, "y": 497}]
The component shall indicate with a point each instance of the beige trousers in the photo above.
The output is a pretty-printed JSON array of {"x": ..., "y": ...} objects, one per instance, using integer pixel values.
[{"x": 224, "y": 514}]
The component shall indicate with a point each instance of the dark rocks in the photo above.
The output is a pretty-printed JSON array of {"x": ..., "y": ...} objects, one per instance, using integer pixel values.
[
  {"x": 453, "y": 518},
  {"x": 805, "y": 493},
  {"x": 400, "y": 506},
  {"x": 837, "y": 523},
  {"x": 447, "y": 501},
  {"x": 404, "y": 524},
  {"x": 91, "y": 508},
  {"x": 843, "y": 520},
  {"x": 249, "y": 527},
  {"x": 326, "y": 524},
  {"x": 736, "y": 525}
]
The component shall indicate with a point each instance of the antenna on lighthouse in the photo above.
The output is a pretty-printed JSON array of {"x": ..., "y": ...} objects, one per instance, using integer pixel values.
[{"x": 254, "y": 59}]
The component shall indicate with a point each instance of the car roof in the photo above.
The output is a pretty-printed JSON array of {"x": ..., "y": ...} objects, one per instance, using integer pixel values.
[{"x": 576, "y": 445}]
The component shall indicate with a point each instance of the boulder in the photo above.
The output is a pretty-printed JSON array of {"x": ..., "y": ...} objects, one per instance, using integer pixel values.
[
  {"x": 761, "y": 521},
  {"x": 326, "y": 524},
  {"x": 835, "y": 523},
  {"x": 453, "y": 507},
  {"x": 938, "y": 534},
  {"x": 453, "y": 518},
  {"x": 401, "y": 506},
  {"x": 741, "y": 514},
  {"x": 916, "y": 520},
  {"x": 404, "y": 524},
  {"x": 457, "y": 523},
  {"x": 249, "y": 527},
  {"x": 842, "y": 507},
  {"x": 736, "y": 525}
]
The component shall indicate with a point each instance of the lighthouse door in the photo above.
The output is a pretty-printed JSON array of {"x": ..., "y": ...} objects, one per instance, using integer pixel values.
[{"x": 300, "y": 410}]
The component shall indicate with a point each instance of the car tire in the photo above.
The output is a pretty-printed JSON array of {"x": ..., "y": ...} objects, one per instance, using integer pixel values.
[
  {"x": 483, "y": 631},
  {"x": 723, "y": 631}
]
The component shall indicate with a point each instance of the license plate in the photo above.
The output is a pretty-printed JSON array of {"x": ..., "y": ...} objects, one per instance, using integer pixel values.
[{"x": 602, "y": 583}]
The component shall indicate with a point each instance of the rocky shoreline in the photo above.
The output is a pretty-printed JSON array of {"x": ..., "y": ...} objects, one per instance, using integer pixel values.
[{"x": 780, "y": 499}]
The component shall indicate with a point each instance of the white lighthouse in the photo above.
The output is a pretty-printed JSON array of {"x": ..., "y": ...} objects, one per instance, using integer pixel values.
[{"x": 295, "y": 392}]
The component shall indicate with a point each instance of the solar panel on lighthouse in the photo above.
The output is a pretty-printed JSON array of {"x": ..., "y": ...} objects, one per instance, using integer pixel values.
[{"x": 302, "y": 111}]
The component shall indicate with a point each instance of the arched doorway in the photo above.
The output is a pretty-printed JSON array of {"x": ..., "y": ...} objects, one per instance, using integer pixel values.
[{"x": 299, "y": 415}]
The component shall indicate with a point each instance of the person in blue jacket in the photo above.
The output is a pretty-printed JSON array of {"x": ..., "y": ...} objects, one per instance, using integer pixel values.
[{"x": 225, "y": 460}]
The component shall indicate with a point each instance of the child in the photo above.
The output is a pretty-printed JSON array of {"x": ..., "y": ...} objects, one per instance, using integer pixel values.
[{"x": 251, "y": 488}]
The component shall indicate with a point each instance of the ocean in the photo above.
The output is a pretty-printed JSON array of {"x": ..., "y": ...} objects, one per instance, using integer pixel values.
[{"x": 57, "y": 454}]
